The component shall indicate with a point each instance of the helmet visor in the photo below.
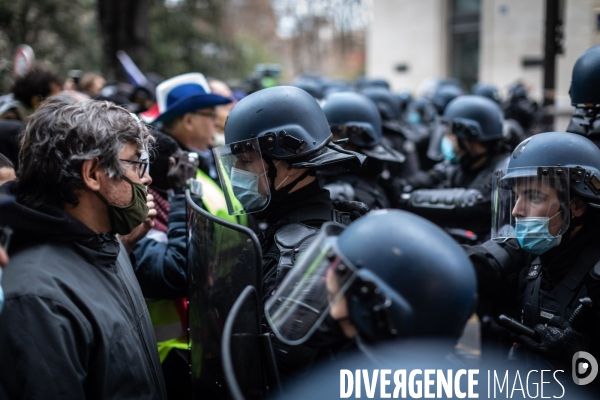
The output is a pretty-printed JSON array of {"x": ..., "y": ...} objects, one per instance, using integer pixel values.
[
  {"x": 243, "y": 176},
  {"x": 315, "y": 283},
  {"x": 523, "y": 195},
  {"x": 434, "y": 149}
]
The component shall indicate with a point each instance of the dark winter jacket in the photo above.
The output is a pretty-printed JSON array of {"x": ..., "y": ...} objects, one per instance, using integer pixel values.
[
  {"x": 293, "y": 224},
  {"x": 74, "y": 324}
]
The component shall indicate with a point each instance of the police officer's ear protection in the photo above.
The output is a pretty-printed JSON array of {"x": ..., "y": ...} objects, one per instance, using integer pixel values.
[{"x": 376, "y": 310}]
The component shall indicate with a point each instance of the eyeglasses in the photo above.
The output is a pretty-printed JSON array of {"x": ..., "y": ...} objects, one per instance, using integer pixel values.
[
  {"x": 209, "y": 114},
  {"x": 140, "y": 166}
]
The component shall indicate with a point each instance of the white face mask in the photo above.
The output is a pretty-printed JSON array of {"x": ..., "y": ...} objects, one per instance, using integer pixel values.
[{"x": 245, "y": 188}]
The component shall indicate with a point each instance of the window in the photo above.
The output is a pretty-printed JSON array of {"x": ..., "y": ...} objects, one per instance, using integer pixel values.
[{"x": 464, "y": 41}]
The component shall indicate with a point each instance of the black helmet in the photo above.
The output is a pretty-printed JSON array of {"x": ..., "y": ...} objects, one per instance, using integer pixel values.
[
  {"x": 377, "y": 82},
  {"x": 487, "y": 90},
  {"x": 561, "y": 161},
  {"x": 314, "y": 88},
  {"x": 279, "y": 123},
  {"x": 355, "y": 116},
  {"x": 585, "y": 80},
  {"x": 575, "y": 152},
  {"x": 444, "y": 95},
  {"x": 517, "y": 91},
  {"x": 421, "y": 111},
  {"x": 401, "y": 275},
  {"x": 475, "y": 118},
  {"x": 289, "y": 125},
  {"x": 387, "y": 103}
]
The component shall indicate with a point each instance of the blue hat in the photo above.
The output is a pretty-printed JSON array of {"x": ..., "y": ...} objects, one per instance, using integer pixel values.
[{"x": 183, "y": 94}]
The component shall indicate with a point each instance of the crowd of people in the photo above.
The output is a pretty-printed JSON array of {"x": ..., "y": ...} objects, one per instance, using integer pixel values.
[{"x": 381, "y": 218}]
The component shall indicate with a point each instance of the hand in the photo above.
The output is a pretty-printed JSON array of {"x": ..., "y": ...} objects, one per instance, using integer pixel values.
[
  {"x": 182, "y": 168},
  {"x": 356, "y": 209},
  {"x": 141, "y": 230},
  {"x": 557, "y": 343}
]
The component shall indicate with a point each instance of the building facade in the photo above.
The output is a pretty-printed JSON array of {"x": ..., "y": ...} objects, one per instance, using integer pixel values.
[{"x": 490, "y": 41}]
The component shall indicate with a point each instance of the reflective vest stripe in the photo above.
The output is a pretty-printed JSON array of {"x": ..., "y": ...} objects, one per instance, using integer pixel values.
[{"x": 214, "y": 200}]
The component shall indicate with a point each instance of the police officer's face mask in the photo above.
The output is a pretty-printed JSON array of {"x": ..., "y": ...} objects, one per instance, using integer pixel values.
[
  {"x": 448, "y": 151},
  {"x": 125, "y": 219},
  {"x": 534, "y": 236},
  {"x": 245, "y": 186}
]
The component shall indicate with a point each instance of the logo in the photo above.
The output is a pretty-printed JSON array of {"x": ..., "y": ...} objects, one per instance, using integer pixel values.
[{"x": 585, "y": 368}]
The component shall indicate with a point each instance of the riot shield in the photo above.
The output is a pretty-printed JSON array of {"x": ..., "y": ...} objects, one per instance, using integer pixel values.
[
  {"x": 248, "y": 360},
  {"x": 223, "y": 259}
]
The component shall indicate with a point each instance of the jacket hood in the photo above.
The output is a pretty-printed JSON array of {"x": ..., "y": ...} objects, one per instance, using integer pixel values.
[{"x": 30, "y": 226}]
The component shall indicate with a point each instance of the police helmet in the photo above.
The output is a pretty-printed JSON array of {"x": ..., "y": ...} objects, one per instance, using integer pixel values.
[
  {"x": 312, "y": 87},
  {"x": 474, "y": 118},
  {"x": 585, "y": 80},
  {"x": 575, "y": 152},
  {"x": 279, "y": 123},
  {"x": 355, "y": 117},
  {"x": 401, "y": 275},
  {"x": 487, "y": 90},
  {"x": 377, "y": 82},
  {"x": 421, "y": 111},
  {"x": 444, "y": 95},
  {"x": 387, "y": 103},
  {"x": 555, "y": 164},
  {"x": 289, "y": 125}
]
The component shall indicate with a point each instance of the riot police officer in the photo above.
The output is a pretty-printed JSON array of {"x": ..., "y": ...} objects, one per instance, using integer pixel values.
[
  {"x": 399, "y": 133},
  {"x": 444, "y": 94},
  {"x": 389, "y": 275},
  {"x": 521, "y": 109},
  {"x": 487, "y": 90},
  {"x": 352, "y": 116},
  {"x": 584, "y": 95},
  {"x": 543, "y": 256},
  {"x": 473, "y": 148},
  {"x": 276, "y": 139}
]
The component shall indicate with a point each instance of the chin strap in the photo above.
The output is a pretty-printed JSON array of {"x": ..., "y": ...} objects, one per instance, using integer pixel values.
[{"x": 283, "y": 192}]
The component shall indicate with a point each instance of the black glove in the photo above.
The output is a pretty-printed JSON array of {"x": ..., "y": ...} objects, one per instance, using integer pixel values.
[
  {"x": 356, "y": 209},
  {"x": 557, "y": 343},
  {"x": 181, "y": 169}
]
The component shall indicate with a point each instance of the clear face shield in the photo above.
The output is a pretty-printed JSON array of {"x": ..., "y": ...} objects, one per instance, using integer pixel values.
[
  {"x": 243, "y": 176},
  {"x": 532, "y": 205},
  {"x": 318, "y": 280}
]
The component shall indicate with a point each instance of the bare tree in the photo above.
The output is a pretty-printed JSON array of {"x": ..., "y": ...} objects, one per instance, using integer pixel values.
[{"x": 320, "y": 30}]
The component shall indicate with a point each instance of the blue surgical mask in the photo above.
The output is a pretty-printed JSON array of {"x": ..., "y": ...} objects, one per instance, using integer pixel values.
[
  {"x": 245, "y": 189},
  {"x": 448, "y": 151},
  {"x": 414, "y": 117},
  {"x": 533, "y": 235}
]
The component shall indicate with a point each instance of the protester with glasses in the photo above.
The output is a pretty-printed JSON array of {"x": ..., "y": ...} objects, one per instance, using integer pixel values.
[{"x": 74, "y": 323}]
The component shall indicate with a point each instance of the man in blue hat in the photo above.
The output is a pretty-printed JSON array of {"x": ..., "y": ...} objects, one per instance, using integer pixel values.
[{"x": 187, "y": 113}]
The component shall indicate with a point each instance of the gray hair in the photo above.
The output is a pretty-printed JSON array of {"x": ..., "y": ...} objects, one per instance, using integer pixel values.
[{"x": 60, "y": 135}]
